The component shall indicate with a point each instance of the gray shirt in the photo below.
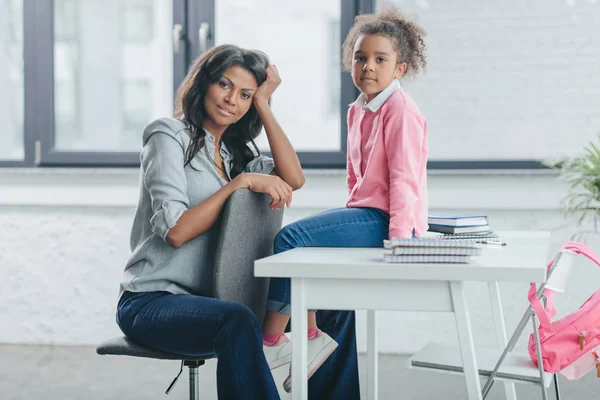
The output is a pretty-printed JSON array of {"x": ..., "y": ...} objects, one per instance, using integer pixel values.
[{"x": 167, "y": 190}]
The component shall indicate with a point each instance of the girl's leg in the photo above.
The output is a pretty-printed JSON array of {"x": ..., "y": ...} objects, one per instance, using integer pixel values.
[
  {"x": 197, "y": 326},
  {"x": 352, "y": 227},
  {"x": 345, "y": 227},
  {"x": 276, "y": 322}
]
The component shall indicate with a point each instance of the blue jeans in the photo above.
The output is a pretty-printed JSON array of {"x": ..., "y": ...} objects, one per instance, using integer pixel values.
[
  {"x": 341, "y": 227},
  {"x": 199, "y": 326},
  {"x": 346, "y": 227}
]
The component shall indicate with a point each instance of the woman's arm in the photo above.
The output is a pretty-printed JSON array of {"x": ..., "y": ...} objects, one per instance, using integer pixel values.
[
  {"x": 162, "y": 161},
  {"x": 200, "y": 218},
  {"x": 164, "y": 177},
  {"x": 287, "y": 165}
]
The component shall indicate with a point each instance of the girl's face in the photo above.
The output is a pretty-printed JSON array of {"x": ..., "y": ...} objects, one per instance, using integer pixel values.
[
  {"x": 228, "y": 99},
  {"x": 375, "y": 64}
]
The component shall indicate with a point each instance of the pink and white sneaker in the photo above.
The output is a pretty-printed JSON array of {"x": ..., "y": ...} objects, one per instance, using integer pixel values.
[
  {"x": 319, "y": 350},
  {"x": 279, "y": 354}
]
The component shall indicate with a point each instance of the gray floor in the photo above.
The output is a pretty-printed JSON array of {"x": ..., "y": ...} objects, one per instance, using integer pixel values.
[{"x": 65, "y": 373}]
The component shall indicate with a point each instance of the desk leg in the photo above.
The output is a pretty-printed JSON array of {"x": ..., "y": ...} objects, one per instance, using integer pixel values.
[
  {"x": 509, "y": 387},
  {"x": 465, "y": 339},
  {"x": 373, "y": 355},
  {"x": 299, "y": 341}
]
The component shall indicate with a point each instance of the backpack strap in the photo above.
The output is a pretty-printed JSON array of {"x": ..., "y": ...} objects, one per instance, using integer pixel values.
[
  {"x": 543, "y": 314},
  {"x": 546, "y": 314}
]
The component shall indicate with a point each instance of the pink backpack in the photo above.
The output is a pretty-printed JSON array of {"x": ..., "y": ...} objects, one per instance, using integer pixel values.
[{"x": 570, "y": 345}]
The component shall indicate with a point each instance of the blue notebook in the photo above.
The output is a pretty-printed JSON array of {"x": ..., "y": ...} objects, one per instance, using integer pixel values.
[{"x": 457, "y": 220}]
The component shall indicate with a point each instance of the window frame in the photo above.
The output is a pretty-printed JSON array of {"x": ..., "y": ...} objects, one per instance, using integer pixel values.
[{"x": 38, "y": 61}]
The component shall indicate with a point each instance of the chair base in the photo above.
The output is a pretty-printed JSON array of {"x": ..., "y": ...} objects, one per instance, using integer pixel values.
[
  {"x": 194, "y": 384},
  {"x": 193, "y": 380}
]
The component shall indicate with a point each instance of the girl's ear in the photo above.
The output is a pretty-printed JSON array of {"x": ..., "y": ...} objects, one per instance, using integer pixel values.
[{"x": 400, "y": 70}]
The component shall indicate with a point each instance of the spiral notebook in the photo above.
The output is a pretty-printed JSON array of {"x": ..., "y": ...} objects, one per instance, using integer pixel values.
[
  {"x": 469, "y": 236},
  {"x": 390, "y": 258},
  {"x": 412, "y": 250},
  {"x": 417, "y": 242}
]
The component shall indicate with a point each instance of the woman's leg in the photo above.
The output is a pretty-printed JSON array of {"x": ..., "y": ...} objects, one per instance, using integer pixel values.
[
  {"x": 338, "y": 376},
  {"x": 197, "y": 326},
  {"x": 352, "y": 227}
]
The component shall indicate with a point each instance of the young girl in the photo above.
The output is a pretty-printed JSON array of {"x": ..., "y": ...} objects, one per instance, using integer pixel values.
[
  {"x": 387, "y": 185},
  {"x": 190, "y": 165}
]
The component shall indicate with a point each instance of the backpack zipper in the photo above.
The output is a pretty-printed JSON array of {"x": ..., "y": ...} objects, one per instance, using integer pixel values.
[
  {"x": 582, "y": 336},
  {"x": 597, "y": 357}
]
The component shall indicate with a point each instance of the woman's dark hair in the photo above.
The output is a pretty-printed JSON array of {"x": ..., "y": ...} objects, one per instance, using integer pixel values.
[
  {"x": 406, "y": 36},
  {"x": 189, "y": 102}
]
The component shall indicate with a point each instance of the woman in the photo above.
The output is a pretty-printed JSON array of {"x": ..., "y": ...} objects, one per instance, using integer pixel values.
[{"x": 190, "y": 165}]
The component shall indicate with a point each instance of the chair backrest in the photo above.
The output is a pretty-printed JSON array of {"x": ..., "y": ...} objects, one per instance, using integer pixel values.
[
  {"x": 561, "y": 272},
  {"x": 246, "y": 233}
]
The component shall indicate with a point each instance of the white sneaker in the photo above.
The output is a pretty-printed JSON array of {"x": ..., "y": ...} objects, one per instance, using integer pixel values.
[
  {"x": 319, "y": 350},
  {"x": 279, "y": 354}
]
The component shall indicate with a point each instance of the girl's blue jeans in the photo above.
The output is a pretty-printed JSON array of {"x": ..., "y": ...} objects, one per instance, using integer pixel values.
[
  {"x": 342, "y": 227},
  {"x": 345, "y": 227}
]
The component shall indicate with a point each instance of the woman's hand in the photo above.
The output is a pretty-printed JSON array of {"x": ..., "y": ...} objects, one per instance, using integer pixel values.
[
  {"x": 267, "y": 88},
  {"x": 274, "y": 186}
]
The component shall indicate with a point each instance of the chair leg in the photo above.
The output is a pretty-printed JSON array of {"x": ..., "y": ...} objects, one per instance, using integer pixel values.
[
  {"x": 556, "y": 389},
  {"x": 538, "y": 347},
  {"x": 194, "y": 384},
  {"x": 509, "y": 347}
]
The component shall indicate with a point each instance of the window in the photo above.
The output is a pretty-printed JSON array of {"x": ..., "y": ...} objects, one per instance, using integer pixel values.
[
  {"x": 109, "y": 83},
  {"x": 85, "y": 76},
  {"x": 299, "y": 38},
  {"x": 12, "y": 79},
  {"x": 302, "y": 56}
]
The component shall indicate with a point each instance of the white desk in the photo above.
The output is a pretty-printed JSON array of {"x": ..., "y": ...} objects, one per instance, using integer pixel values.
[{"x": 357, "y": 278}]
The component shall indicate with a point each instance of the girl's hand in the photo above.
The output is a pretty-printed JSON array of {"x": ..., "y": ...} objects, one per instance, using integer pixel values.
[
  {"x": 266, "y": 89},
  {"x": 274, "y": 186}
]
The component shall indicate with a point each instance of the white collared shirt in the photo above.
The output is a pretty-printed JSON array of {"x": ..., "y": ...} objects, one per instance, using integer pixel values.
[{"x": 378, "y": 101}]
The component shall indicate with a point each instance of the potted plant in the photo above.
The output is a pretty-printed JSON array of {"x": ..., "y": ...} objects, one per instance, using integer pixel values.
[{"x": 582, "y": 174}]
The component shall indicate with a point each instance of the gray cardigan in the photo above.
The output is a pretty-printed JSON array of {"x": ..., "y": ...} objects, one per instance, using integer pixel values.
[{"x": 167, "y": 189}]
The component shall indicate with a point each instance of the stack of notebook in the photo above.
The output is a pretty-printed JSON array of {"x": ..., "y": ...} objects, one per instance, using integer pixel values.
[
  {"x": 461, "y": 227},
  {"x": 430, "y": 250}
]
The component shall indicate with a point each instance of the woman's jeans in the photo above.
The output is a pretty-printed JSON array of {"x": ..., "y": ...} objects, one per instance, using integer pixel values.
[
  {"x": 346, "y": 227},
  {"x": 199, "y": 326}
]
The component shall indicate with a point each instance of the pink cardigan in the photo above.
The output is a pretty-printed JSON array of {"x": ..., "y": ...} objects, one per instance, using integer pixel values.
[{"x": 390, "y": 171}]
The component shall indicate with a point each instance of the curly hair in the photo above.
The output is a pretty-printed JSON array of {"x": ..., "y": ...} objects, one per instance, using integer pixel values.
[
  {"x": 189, "y": 102},
  {"x": 406, "y": 36}
]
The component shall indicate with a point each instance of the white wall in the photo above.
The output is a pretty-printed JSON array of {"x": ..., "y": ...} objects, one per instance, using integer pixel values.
[
  {"x": 500, "y": 71},
  {"x": 64, "y": 241}
]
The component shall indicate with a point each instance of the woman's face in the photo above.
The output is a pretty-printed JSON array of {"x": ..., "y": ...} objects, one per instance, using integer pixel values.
[{"x": 229, "y": 99}]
